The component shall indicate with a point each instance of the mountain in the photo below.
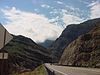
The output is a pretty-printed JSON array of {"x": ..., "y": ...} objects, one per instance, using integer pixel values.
[
  {"x": 71, "y": 33},
  {"x": 26, "y": 54},
  {"x": 84, "y": 51},
  {"x": 47, "y": 43}
]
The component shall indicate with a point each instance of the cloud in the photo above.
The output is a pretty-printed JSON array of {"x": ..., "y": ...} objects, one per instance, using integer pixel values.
[
  {"x": 84, "y": 1},
  {"x": 31, "y": 25},
  {"x": 45, "y": 6},
  {"x": 94, "y": 10},
  {"x": 59, "y": 2},
  {"x": 66, "y": 16},
  {"x": 92, "y": 4},
  {"x": 36, "y": 10},
  {"x": 71, "y": 19}
]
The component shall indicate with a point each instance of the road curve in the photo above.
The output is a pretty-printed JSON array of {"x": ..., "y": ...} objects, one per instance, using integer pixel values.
[{"x": 65, "y": 70}]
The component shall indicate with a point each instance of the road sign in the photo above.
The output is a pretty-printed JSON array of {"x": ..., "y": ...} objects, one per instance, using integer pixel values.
[
  {"x": 1, "y": 55},
  {"x": 5, "y": 36},
  {"x": 4, "y": 55}
]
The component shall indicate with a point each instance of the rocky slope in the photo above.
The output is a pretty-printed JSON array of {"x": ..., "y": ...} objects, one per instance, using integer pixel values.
[
  {"x": 71, "y": 33},
  {"x": 84, "y": 51},
  {"x": 26, "y": 54}
]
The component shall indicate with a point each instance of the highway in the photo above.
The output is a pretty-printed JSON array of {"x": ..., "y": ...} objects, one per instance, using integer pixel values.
[{"x": 65, "y": 70}]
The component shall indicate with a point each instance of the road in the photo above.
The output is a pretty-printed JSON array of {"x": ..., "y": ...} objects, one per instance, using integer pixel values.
[{"x": 64, "y": 70}]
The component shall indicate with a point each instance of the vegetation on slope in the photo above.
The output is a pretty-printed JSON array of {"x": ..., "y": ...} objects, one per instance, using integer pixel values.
[
  {"x": 24, "y": 54},
  {"x": 40, "y": 70}
]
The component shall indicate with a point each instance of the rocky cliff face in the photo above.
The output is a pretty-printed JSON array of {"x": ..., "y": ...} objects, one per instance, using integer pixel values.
[
  {"x": 70, "y": 34},
  {"x": 84, "y": 51},
  {"x": 26, "y": 54}
]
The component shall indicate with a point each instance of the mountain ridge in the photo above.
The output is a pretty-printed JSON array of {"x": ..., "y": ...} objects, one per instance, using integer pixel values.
[{"x": 71, "y": 33}]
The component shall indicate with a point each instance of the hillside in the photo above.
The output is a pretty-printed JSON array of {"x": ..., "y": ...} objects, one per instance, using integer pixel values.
[
  {"x": 84, "y": 51},
  {"x": 40, "y": 70},
  {"x": 24, "y": 54},
  {"x": 71, "y": 33}
]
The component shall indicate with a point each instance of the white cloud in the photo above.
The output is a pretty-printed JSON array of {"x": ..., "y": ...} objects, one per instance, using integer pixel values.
[
  {"x": 84, "y": 1},
  {"x": 92, "y": 4},
  {"x": 59, "y": 2},
  {"x": 66, "y": 16},
  {"x": 64, "y": 11},
  {"x": 29, "y": 24},
  {"x": 54, "y": 11},
  {"x": 94, "y": 10},
  {"x": 45, "y": 6},
  {"x": 71, "y": 19},
  {"x": 36, "y": 10}
]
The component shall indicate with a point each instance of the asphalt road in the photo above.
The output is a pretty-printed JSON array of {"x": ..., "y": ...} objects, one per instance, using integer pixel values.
[{"x": 64, "y": 70}]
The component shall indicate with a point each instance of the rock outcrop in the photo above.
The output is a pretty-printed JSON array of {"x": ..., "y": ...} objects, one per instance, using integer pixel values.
[{"x": 84, "y": 51}]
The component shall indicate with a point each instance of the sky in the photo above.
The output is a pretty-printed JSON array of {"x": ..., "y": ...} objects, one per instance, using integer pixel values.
[{"x": 45, "y": 19}]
